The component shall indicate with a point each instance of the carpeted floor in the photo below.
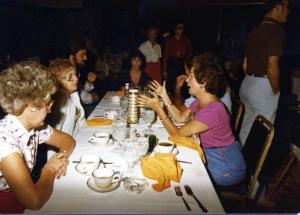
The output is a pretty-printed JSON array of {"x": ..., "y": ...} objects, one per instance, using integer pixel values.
[{"x": 286, "y": 197}]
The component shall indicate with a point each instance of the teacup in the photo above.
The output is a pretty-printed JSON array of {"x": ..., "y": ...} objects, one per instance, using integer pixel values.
[
  {"x": 104, "y": 177},
  {"x": 88, "y": 163},
  {"x": 100, "y": 138},
  {"x": 110, "y": 114},
  {"x": 165, "y": 146},
  {"x": 115, "y": 99}
]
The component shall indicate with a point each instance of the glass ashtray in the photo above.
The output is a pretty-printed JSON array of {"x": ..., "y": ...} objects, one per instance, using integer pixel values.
[{"x": 135, "y": 185}]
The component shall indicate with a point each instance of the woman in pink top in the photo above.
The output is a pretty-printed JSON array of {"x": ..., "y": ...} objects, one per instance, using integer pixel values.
[{"x": 206, "y": 116}]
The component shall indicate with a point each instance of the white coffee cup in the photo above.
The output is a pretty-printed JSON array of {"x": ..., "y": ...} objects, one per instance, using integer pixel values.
[
  {"x": 110, "y": 114},
  {"x": 104, "y": 177},
  {"x": 115, "y": 99},
  {"x": 165, "y": 146},
  {"x": 99, "y": 138},
  {"x": 88, "y": 163}
]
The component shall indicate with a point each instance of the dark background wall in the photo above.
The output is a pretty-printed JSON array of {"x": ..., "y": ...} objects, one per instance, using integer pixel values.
[{"x": 33, "y": 30}]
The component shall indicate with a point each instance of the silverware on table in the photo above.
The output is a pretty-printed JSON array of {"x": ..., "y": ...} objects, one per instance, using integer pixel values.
[
  {"x": 189, "y": 191},
  {"x": 179, "y": 193},
  {"x": 180, "y": 161},
  {"x": 93, "y": 162}
]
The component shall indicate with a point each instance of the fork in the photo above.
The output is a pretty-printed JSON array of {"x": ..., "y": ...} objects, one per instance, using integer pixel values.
[
  {"x": 189, "y": 191},
  {"x": 179, "y": 193}
]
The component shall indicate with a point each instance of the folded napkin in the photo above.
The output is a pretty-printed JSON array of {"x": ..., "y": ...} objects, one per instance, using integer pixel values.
[
  {"x": 119, "y": 93},
  {"x": 163, "y": 168},
  {"x": 189, "y": 142},
  {"x": 98, "y": 122}
]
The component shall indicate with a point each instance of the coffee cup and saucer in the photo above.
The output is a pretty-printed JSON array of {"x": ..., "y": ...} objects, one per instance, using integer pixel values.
[
  {"x": 99, "y": 138},
  {"x": 87, "y": 164},
  {"x": 167, "y": 147},
  {"x": 104, "y": 180}
]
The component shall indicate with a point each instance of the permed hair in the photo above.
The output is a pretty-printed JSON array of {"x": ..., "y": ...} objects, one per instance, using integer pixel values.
[
  {"x": 59, "y": 67},
  {"x": 208, "y": 71},
  {"x": 25, "y": 83}
]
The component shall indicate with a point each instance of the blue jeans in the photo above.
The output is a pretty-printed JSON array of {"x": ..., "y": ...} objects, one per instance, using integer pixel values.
[{"x": 226, "y": 164}]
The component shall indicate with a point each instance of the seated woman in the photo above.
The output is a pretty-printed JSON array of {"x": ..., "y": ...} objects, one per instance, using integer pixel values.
[
  {"x": 26, "y": 90},
  {"x": 206, "y": 82},
  {"x": 88, "y": 96},
  {"x": 136, "y": 77},
  {"x": 68, "y": 113}
]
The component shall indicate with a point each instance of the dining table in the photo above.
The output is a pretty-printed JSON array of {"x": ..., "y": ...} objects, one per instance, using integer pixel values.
[{"x": 71, "y": 193}]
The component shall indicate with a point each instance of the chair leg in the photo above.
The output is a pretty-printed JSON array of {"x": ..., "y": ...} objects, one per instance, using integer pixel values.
[{"x": 285, "y": 170}]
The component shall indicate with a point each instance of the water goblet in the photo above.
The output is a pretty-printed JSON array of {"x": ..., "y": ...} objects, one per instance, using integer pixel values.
[{"x": 148, "y": 117}]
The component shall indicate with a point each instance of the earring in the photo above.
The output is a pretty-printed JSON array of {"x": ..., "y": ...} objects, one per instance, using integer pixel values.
[{"x": 33, "y": 110}]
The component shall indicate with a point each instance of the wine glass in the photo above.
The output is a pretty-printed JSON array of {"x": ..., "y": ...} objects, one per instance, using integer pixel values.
[
  {"x": 124, "y": 104},
  {"x": 130, "y": 153},
  {"x": 119, "y": 131},
  {"x": 148, "y": 117}
]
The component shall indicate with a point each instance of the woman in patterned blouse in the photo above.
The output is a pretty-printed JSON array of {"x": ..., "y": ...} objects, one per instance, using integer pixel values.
[{"x": 25, "y": 96}]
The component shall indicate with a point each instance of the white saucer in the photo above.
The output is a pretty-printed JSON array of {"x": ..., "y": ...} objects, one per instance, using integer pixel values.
[
  {"x": 112, "y": 187},
  {"x": 174, "y": 152},
  {"x": 109, "y": 143},
  {"x": 79, "y": 169}
]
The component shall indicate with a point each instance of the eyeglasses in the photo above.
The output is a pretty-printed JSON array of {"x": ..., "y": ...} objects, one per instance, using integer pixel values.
[
  {"x": 49, "y": 104},
  {"x": 72, "y": 76}
]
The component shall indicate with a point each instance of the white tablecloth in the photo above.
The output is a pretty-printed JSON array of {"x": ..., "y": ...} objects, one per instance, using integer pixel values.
[{"x": 72, "y": 195}]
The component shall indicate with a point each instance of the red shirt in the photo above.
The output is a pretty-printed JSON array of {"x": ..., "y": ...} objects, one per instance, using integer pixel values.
[{"x": 176, "y": 49}]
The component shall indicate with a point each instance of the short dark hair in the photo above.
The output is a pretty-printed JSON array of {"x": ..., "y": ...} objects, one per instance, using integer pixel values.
[
  {"x": 207, "y": 70},
  {"x": 75, "y": 45},
  {"x": 270, "y": 5}
]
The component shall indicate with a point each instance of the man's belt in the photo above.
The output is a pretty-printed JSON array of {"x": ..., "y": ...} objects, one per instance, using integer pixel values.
[{"x": 257, "y": 75}]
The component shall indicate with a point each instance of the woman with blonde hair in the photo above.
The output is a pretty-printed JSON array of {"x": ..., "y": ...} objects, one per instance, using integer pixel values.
[{"x": 26, "y": 90}]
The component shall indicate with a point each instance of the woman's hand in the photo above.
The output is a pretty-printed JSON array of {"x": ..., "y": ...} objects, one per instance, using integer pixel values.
[
  {"x": 58, "y": 163},
  {"x": 144, "y": 101},
  {"x": 158, "y": 89},
  {"x": 180, "y": 81}
]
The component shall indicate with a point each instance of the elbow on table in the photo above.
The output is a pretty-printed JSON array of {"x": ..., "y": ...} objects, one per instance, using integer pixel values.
[{"x": 35, "y": 204}]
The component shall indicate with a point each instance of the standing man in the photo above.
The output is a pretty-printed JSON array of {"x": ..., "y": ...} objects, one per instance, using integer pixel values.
[
  {"x": 176, "y": 48},
  {"x": 260, "y": 88}
]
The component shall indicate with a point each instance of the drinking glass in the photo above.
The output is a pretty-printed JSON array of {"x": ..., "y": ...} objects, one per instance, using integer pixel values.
[
  {"x": 130, "y": 152},
  {"x": 119, "y": 131},
  {"x": 148, "y": 117},
  {"x": 124, "y": 103}
]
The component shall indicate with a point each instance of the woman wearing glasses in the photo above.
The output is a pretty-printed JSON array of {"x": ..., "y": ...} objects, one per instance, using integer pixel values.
[
  {"x": 26, "y": 90},
  {"x": 68, "y": 113}
]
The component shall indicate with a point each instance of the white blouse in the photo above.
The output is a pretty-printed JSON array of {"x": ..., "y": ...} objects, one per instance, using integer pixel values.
[
  {"x": 152, "y": 53},
  {"x": 15, "y": 138}
]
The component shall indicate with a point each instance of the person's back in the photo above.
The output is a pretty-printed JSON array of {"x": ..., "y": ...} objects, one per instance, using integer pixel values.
[{"x": 265, "y": 40}]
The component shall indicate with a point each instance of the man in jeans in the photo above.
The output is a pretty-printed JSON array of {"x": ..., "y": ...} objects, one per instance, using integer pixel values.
[{"x": 260, "y": 88}]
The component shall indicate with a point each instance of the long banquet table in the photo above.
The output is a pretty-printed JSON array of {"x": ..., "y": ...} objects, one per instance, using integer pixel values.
[{"x": 72, "y": 195}]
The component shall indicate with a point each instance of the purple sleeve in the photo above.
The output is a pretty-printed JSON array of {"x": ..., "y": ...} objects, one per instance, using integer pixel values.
[
  {"x": 207, "y": 116},
  {"x": 194, "y": 105}
]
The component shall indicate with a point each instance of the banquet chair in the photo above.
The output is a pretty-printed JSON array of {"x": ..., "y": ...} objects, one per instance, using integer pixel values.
[
  {"x": 255, "y": 150},
  {"x": 237, "y": 114},
  {"x": 294, "y": 142}
]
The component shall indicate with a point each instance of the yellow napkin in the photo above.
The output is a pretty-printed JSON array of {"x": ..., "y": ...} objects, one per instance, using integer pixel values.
[
  {"x": 163, "y": 168},
  {"x": 119, "y": 93},
  {"x": 189, "y": 142},
  {"x": 98, "y": 122}
]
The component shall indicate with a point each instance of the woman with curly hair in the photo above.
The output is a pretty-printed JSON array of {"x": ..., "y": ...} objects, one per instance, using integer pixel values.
[
  {"x": 209, "y": 118},
  {"x": 26, "y": 90}
]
